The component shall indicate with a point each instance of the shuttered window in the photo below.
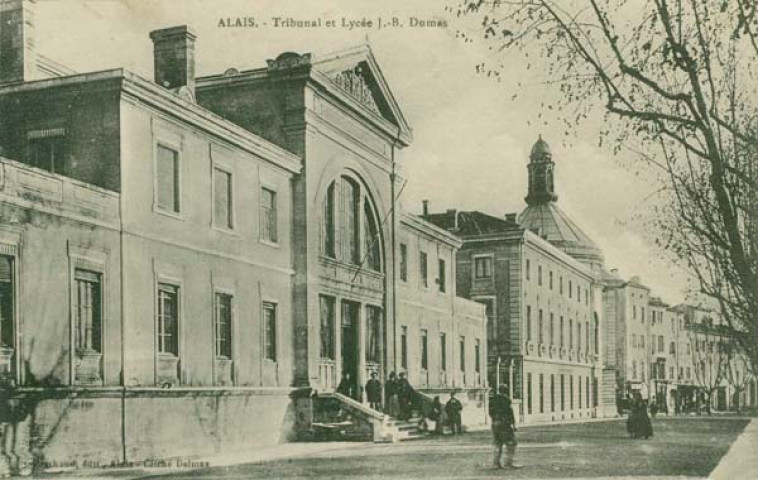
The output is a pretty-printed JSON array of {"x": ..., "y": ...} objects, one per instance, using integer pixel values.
[
  {"x": 269, "y": 333},
  {"x": 87, "y": 310},
  {"x": 167, "y": 181},
  {"x": 269, "y": 216},
  {"x": 223, "y": 325},
  {"x": 222, "y": 198},
  {"x": 168, "y": 319}
]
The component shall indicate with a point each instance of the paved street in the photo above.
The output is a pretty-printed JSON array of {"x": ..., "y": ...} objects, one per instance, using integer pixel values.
[{"x": 683, "y": 447}]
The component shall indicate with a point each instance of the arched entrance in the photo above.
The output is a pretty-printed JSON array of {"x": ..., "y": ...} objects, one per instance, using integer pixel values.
[{"x": 351, "y": 287}]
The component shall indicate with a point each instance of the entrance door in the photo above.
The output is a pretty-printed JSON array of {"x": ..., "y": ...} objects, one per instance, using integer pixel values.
[{"x": 350, "y": 345}]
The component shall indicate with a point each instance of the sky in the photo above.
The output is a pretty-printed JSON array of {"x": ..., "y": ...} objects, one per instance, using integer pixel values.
[{"x": 471, "y": 137}]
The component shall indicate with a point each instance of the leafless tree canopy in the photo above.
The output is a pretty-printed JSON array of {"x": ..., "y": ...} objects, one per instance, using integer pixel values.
[{"x": 677, "y": 80}]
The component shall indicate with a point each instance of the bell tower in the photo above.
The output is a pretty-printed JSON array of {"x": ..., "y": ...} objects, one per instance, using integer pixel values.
[{"x": 541, "y": 171}]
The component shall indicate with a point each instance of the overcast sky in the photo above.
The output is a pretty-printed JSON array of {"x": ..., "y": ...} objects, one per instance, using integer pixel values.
[{"x": 471, "y": 138}]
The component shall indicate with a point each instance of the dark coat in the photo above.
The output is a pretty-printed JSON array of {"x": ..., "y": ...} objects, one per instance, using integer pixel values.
[
  {"x": 453, "y": 408},
  {"x": 503, "y": 419},
  {"x": 347, "y": 388},
  {"x": 374, "y": 391},
  {"x": 436, "y": 411},
  {"x": 404, "y": 390}
]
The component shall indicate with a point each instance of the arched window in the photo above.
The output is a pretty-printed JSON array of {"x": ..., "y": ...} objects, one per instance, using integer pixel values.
[
  {"x": 371, "y": 238},
  {"x": 346, "y": 210}
]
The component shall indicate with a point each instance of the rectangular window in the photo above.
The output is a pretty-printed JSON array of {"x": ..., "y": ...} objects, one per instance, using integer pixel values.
[
  {"x": 350, "y": 214},
  {"x": 579, "y": 391},
  {"x": 222, "y": 198},
  {"x": 528, "y": 269},
  {"x": 223, "y": 325},
  {"x": 328, "y": 321},
  {"x": 552, "y": 392},
  {"x": 463, "y": 353},
  {"x": 424, "y": 350},
  {"x": 482, "y": 267},
  {"x": 539, "y": 275},
  {"x": 552, "y": 329},
  {"x": 542, "y": 393},
  {"x": 47, "y": 150},
  {"x": 571, "y": 288},
  {"x": 528, "y": 323},
  {"x": 443, "y": 352},
  {"x": 7, "y": 333},
  {"x": 563, "y": 392},
  {"x": 578, "y": 294},
  {"x": 268, "y": 216},
  {"x": 571, "y": 392},
  {"x": 561, "y": 331},
  {"x": 404, "y": 348},
  {"x": 578, "y": 335},
  {"x": 269, "y": 332},
  {"x": 168, "y": 319},
  {"x": 423, "y": 269},
  {"x": 373, "y": 333},
  {"x": 586, "y": 297},
  {"x": 167, "y": 179},
  {"x": 403, "y": 262},
  {"x": 660, "y": 343},
  {"x": 550, "y": 280},
  {"x": 594, "y": 391},
  {"x": 560, "y": 285},
  {"x": 571, "y": 334},
  {"x": 442, "y": 280},
  {"x": 87, "y": 309},
  {"x": 540, "y": 333},
  {"x": 587, "y": 389},
  {"x": 478, "y": 356},
  {"x": 529, "y": 393},
  {"x": 489, "y": 312}
]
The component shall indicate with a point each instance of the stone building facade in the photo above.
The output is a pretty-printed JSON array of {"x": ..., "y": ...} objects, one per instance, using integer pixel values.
[
  {"x": 539, "y": 277},
  {"x": 209, "y": 249}
]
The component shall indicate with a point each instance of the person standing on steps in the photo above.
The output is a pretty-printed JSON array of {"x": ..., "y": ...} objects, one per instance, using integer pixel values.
[
  {"x": 374, "y": 392},
  {"x": 391, "y": 396},
  {"x": 503, "y": 429}
]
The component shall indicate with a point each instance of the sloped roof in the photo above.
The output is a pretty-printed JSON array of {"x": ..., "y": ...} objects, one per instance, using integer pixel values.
[
  {"x": 557, "y": 228},
  {"x": 472, "y": 223}
]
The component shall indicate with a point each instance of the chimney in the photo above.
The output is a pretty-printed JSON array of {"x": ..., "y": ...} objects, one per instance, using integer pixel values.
[
  {"x": 510, "y": 217},
  {"x": 18, "y": 49},
  {"x": 425, "y": 208},
  {"x": 454, "y": 213},
  {"x": 174, "y": 57}
]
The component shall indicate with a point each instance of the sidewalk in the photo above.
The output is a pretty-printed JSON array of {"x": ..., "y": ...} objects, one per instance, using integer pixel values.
[
  {"x": 741, "y": 461},
  {"x": 276, "y": 452}
]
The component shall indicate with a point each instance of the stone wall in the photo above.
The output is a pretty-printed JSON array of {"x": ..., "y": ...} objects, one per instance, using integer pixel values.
[{"x": 89, "y": 428}]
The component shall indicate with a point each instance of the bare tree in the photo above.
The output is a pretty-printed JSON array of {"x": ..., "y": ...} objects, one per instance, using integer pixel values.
[
  {"x": 738, "y": 370},
  {"x": 676, "y": 83}
]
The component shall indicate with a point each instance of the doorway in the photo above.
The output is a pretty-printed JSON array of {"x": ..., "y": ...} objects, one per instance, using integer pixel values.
[{"x": 349, "y": 360}]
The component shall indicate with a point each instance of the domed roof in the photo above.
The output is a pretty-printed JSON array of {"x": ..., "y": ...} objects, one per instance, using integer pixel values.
[
  {"x": 540, "y": 148},
  {"x": 557, "y": 228}
]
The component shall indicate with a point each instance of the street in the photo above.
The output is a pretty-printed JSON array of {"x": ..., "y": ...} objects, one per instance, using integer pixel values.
[{"x": 688, "y": 447}]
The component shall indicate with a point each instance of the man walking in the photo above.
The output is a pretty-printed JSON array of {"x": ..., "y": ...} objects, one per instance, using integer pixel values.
[
  {"x": 503, "y": 429},
  {"x": 453, "y": 409}
]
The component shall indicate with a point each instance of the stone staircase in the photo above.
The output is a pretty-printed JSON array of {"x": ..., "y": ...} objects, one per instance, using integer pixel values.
[{"x": 341, "y": 417}]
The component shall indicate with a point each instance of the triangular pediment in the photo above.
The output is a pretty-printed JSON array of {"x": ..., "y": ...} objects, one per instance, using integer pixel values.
[{"x": 356, "y": 73}]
